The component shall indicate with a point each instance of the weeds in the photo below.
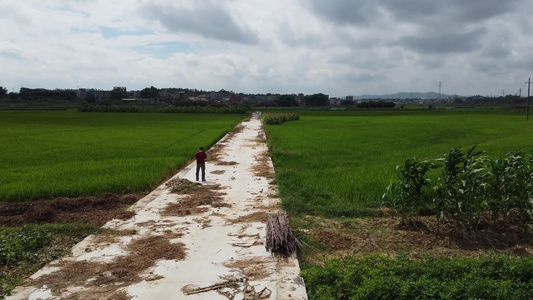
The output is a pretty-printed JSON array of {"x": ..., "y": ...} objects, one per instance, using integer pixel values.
[
  {"x": 18, "y": 245},
  {"x": 23, "y": 250}
]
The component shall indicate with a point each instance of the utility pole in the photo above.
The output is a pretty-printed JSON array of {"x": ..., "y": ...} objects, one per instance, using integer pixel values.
[
  {"x": 528, "y": 85},
  {"x": 520, "y": 93},
  {"x": 438, "y": 100}
]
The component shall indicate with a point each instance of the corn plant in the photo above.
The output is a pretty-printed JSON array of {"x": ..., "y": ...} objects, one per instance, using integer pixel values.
[
  {"x": 280, "y": 118},
  {"x": 407, "y": 195},
  {"x": 460, "y": 190},
  {"x": 510, "y": 188}
]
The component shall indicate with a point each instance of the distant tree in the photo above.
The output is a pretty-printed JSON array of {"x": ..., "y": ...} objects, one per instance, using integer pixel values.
[
  {"x": 317, "y": 100},
  {"x": 376, "y": 104},
  {"x": 151, "y": 92},
  {"x": 116, "y": 94},
  {"x": 286, "y": 101},
  {"x": 3, "y": 91},
  {"x": 90, "y": 96},
  {"x": 223, "y": 92}
]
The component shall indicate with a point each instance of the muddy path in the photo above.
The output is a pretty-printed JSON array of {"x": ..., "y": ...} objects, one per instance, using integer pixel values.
[{"x": 186, "y": 239}]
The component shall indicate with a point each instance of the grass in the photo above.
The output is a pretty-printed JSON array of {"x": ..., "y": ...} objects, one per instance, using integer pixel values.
[
  {"x": 339, "y": 163},
  {"x": 66, "y": 153}
]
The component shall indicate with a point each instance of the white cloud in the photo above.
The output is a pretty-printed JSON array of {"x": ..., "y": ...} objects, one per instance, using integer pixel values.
[{"x": 338, "y": 47}]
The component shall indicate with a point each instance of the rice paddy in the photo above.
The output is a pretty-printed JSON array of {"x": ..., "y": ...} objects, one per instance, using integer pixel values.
[
  {"x": 339, "y": 163},
  {"x": 68, "y": 154}
]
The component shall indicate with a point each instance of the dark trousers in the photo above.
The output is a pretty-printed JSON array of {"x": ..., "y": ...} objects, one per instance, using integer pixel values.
[{"x": 202, "y": 167}]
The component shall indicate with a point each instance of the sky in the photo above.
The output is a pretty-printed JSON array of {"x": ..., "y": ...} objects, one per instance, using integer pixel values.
[{"x": 335, "y": 47}]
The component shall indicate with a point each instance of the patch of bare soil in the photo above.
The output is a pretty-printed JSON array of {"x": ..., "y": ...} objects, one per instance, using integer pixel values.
[
  {"x": 197, "y": 200},
  {"x": 83, "y": 210},
  {"x": 391, "y": 236},
  {"x": 106, "y": 278}
]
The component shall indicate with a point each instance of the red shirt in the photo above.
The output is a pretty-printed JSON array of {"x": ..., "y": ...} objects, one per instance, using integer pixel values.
[{"x": 200, "y": 157}]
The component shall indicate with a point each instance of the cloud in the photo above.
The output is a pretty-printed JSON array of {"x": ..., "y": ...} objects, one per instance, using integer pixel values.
[
  {"x": 445, "y": 43},
  {"x": 346, "y": 12},
  {"x": 205, "y": 19},
  {"x": 338, "y": 47},
  {"x": 9, "y": 50},
  {"x": 452, "y": 11}
]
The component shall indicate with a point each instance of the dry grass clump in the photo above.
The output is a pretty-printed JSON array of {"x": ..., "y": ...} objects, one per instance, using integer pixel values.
[
  {"x": 263, "y": 168},
  {"x": 196, "y": 201},
  {"x": 260, "y": 216},
  {"x": 231, "y": 134},
  {"x": 218, "y": 172},
  {"x": 280, "y": 239},
  {"x": 226, "y": 163},
  {"x": 122, "y": 271},
  {"x": 183, "y": 186},
  {"x": 230, "y": 288},
  {"x": 82, "y": 210},
  {"x": 215, "y": 152},
  {"x": 120, "y": 295},
  {"x": 255, "y": 268}
]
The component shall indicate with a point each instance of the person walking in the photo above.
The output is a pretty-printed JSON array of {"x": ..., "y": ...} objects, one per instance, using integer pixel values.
[{"x": 200, "y": 163}]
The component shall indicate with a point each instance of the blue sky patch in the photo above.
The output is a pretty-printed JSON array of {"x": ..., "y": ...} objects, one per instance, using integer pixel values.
[{"x": 109, "y": 33}]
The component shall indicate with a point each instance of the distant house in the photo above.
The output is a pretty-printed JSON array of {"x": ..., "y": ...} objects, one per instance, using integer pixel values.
[
  {"x": 300, "y": 98},
  {"x": 169, "y": 94},
  {"x": 234, "y": 99},
  {"x": 334, "y": 101}
]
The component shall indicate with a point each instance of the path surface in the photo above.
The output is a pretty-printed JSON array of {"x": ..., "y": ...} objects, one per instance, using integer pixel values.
[{"x": 223, "y": 240}]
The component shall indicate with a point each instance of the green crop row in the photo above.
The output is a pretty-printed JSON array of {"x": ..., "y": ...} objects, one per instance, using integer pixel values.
[
  {"x": 224, "y": 109},
  {"x": 469, "y": 189},
  {"x": 69, "y": 154},
  {"x": 380, "y": 277},
  {"x": 337, "y": 163},
  {"x": 280, "y": 118}
]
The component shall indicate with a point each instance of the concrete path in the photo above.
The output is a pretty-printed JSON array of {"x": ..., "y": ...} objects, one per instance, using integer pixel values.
[{"x": 223, "y": 240}]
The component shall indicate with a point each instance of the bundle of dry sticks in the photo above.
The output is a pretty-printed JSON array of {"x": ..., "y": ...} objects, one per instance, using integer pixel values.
[{"x": 280, "y": 239}]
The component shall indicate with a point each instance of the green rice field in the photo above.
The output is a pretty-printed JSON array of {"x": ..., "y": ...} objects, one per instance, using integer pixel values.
[
  {"x": 339, "y": 163},
  {"x": 46, "y": 154}
]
